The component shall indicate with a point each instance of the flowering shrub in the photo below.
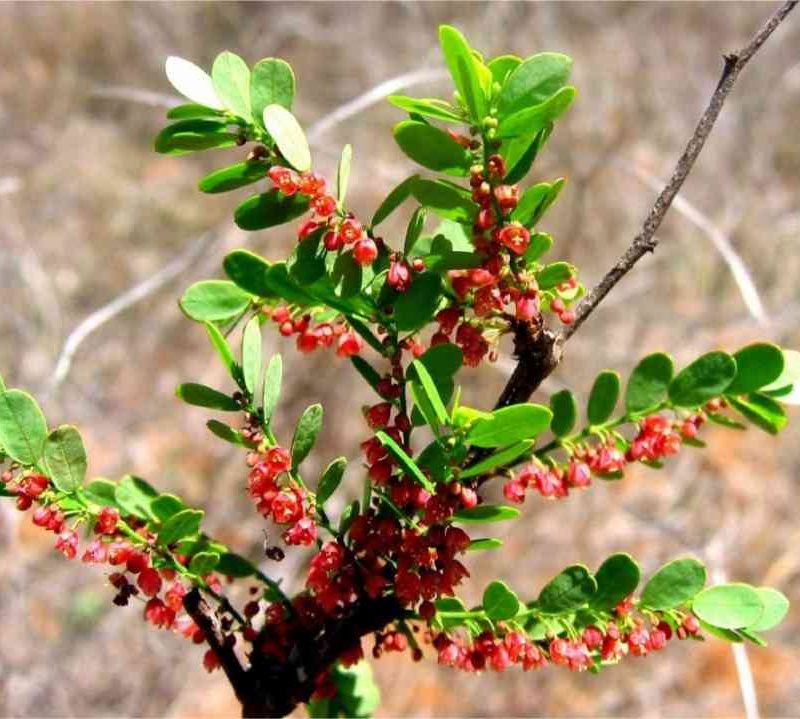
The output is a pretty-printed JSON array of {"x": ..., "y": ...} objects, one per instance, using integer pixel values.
[{"x": 408, "y": 314}]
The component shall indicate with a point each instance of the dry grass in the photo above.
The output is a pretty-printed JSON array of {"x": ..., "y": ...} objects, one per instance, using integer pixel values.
[{"x": 95, "y": 211}]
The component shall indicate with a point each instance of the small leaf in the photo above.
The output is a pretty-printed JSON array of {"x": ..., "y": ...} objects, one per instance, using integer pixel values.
[
  {"x": 757, "y": 366},
  {"x": 502, "y": 66},
  {"x": 204, "y": 563},
  {"x": 786, "y": 389},
  {"x": 531, "y": 120},
  {"x": 485, "y": 543},
  {"x": 463, "y": 68},
  {"x": 343, "y": 173},
  {"x": 499, "y": 602},
  {"x": 192, "y": 82},
  {"x": 540, "y": 244},
  {"x": 233, "y": 177},
  {"x": 65, "y": 457},
  {"x": 442, "y": 360},
  {"x": 534, "y": 81},
  {"x": 485, "y": 513},
  {"x": 165, "y": 505},
  {"x": 554, "y": 274},
  {"x": 201, "y": 396},
  {"x": 273, "y": 377},
  {"x": 185, "y": 523},
  {"x": 269, "y": 210},
  {"x": 405, "y": 462},
  {"x": 305, "y": 433},
  {"x": 535, "y": 201},
  {"x": 429, "y": 107},
  {"x": 234, "y": 565},
  {"x": 248, "y": 271},
  {"x": 603, "y": 397},
  {"x": 134, "y": 496},
  {"x": 192, "y": 111},
  {"x": 509, "y": 425},
  {"x": 762, "y": 411},
  {"x": 445, "y": 199},
  {"x": 23, "y": 429},
  {"x": 222, "y": 347},
  {"x": 330, "y": 480},
  {"x": 565, "y": 412},
  {"x": 503, "y": 458},
  {"x": 271, "y": 83},
  {"x": 414, "y": 229},
  {"x": 571, "y": 589},
  {"x": 193, "y": 135},
  {"x": 214, "y": 300},
  {"x": 648, "y": 384},
  {"x": 288, "y": 136},
  {"x": 228, "y": 434},
  {"x": 415, "y": 307},
  {"x": 674, "y": 584},
  {"x": 231, "y": 80},
  {"x": 776, "y": 606},
  {"x": 729, "y": 606},
  {"x": 393, "y": 200},
  {"x": 426, "y": 396},
  {"x": 432, "y": 148},
  {"x": 616, "y": 578},
  {"x": 704, "y": 379},
  {"x": 101, "y": 492},
  {"x": 251, "y": 354}
]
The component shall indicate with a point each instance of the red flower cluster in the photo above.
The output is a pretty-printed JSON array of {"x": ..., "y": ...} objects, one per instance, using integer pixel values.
[
  {"x": 323, "y": 334},
  {"x": 552, "y": 481},
  {"x": 279, "y": 497},
  {"x": 489, "y": 651}
]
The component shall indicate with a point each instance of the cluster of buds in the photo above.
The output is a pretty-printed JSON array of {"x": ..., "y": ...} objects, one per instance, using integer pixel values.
[
  {"x": 322, "y": 334},
  {"x": 279, "y": 497},
  {"x": 488, "y": 651},
  {"x": 549, "y": 481}
]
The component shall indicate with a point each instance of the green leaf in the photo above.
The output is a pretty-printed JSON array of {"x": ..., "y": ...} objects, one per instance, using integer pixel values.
[
  {"x": 214, "y": 300},
  {"x": 648, "y": 384},
  {"x": 192, "y": 82},
  {"x": 565, "y": 412},
  {"x": 502, "y": 458},
  {"x": 231, "y": 79},
  {"x": 65, "y": 457},
  {"x": 234, "y": 565},
  {"x": 534, "y": 81},
  {"x": 101, "y": 492},
  {"x": 729, "y": 606},
  {"x": 485, "y": 513},
  {"x": 443, "y": 360},
  {"x": 280, "y": 284},
  {"x": 330, "y": 480},
  {"x": 603, "y": 397},
  {"x": 725, "y": 421},
  {"x": 521, "y": 152},
  {"x": 343, "y": 173},
  {"x": 233, "y": 177},
  {"x": 502, "y": 66},
  {"x": 432, "y": 148},
  {"x": 704, "y": 379},
  {"x": 463, "y": 69},
  {"x": 554, "y": 274},
  {"x": 222, "y": 348},
  {"x": 165, "y": 505},
  {"x": 200, "y": 395},
  {"x": 414, "y": 229},
  {"x": 776, "y": 606},
  {"x": 445, "y": 199},
  {"x": 228, "y": 434},
  {"x": 273, "y": 377},
  {"x": 185, "y": 523},
  {"x": 674, "y": 584},
  {"x": 192, "y": 111},
  {"x": 535, "y": 201},
  {"x": 540, "y": 244},
  {"x": 415, "y": 307},
  {"x": 203, "y": 563},
  {"x": 269, "y": 210},
  {"x": 271, "y": 83},
  {"x": 762, "y": 411},
  {"x": 248, "y": 271},
  {"x": 429, "y": 107},
  {"x": 406, "y": 463},
  {"x": 757, "y": 366},
  {"x": 193, "y": 135},
  {"x": 571, "y": 589},
  {"x": 23, "y": 429},
  {"x": 348, "y": 516},
  {"x": 617, "y": 578},
  {"x": 251, "y": 354},
  {"x": 426, "y": 396},
  {"x": 509, "y": 425},
  {"x": 499, "y": 602},
  {"x": 288, "y": 136},
  {"x": 134, "y": 496},
  {"x": 305, "y": 433},
  {"x": 484, "y": 543},
  {"x": 786, "y": 389},
  {"x": 393, "y": 200},
  {"x": 347, "y": 275},
  {"x": 532, "y": 120}
]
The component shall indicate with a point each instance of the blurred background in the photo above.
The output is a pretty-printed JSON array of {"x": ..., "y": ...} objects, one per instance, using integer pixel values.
[{"x": 88, "y": 212}]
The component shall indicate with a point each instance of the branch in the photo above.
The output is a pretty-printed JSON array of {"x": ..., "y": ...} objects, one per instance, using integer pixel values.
[
  {"x": 646, "y": 241},
  {"x": 539, "y": 350}
]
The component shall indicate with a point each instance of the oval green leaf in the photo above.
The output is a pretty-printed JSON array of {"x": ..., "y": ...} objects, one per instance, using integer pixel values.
[
  {"x": 509, "y": 425},
  {"x": 616, "y": 578},
  {"x": 305, "y": 433},
  {"x": 214, "y": 300},
  {"x": 269, "y": 210},
  {"x": 485, "y": 513},
  {"x": 65, "y": 457},
  {"x": 565, "y": 412},
  {"x": 432, "y": 148},
  {"x": 231, "y": 80},
  {"x": 649, "y": 382},
  {"x": 568, "y": 591},
  {"x": 603, "y": 397},
  {"x": 499, "y": 602},
  {"x": 729, "y": 606},
  {"x": 288, "y": 135},
  {"x": 757, "y": 366},
  {"x": 674, "y": 584},
  {"x": 23, "y": 429},
  {"x": 704, "y": 379},
  {"x": 200, "y": 395}
]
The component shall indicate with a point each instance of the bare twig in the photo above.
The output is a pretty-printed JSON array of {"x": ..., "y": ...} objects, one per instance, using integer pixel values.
[{"x": 645, "y": 241}]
